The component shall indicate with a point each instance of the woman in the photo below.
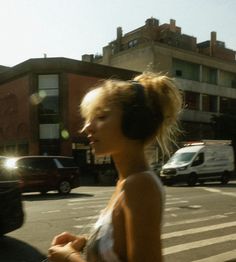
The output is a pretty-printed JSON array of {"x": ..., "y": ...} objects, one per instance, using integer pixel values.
[{"x": 121, "y": 119}]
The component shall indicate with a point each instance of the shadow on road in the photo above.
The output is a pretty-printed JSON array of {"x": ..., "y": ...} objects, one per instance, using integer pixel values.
[
  {"x": 52, "y": 196},
  {"x": 14, "y": 250}
]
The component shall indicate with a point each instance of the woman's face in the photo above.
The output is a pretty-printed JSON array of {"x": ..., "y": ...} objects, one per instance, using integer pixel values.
[{"x": 104, "y": 131}]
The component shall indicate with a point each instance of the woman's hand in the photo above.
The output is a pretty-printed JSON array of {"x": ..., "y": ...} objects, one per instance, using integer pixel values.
[
  {"x": 78, "y": 243},
  {"x": 62, "y": 253},
  {"x": 63, "y": 239}
]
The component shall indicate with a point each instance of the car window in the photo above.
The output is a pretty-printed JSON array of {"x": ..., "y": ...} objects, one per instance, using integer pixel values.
[
  {"x": 65, "y": 162},
  {"x": 36, "y": 163}
]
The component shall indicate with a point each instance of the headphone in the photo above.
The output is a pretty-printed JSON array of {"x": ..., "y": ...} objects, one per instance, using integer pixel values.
[{"x": 138, "y": 120}]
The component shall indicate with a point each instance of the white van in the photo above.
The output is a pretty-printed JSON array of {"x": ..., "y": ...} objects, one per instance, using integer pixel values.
[{"x": 208, "y": 160}]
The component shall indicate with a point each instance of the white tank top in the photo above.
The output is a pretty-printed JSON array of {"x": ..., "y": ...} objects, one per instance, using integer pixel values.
[{"x": 100, "y": 245}]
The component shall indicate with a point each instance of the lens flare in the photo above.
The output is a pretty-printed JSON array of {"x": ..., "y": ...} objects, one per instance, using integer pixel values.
[
  {"x": 65, "y": 134},
  {"x": 37, "y": 98}
]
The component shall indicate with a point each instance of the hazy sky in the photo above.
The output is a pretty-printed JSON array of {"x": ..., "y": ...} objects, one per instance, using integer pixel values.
[{"x": 71, "y": 28}]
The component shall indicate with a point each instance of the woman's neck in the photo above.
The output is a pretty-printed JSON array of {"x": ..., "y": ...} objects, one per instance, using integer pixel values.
[{"x": 130, "y": 162}]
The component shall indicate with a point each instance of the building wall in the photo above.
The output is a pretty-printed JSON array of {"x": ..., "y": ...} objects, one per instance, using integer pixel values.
[
  {"x": 14, "y": 114},
  {"x": 77, "y": 86}
]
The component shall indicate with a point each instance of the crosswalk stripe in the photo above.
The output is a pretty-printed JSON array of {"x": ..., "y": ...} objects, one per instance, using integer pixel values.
[
  {"x": 195, "y": 220},
  {"x": 88, "y": 199},
  {"x": 171, "y": 209},
  {"x": 219, "y": 191},
  {"x": 89, "y": 206},
  {"x": 198, "y": 230},
  {"x": 196, "y": 244},
  {"x": 86, "y": 218},
  {"x": 84, "y": 226},
  {"x": 176, "y": 202},
  {"x": 226, "y": 256}
]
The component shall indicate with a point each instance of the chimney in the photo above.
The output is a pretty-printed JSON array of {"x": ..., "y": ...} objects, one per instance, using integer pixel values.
[
  {"x": 212, "y": 43},
  {"x": 87, "y": 58},
  {"x": 119, "y": 32},
  {"x": 213, "y": 38},
  {"x": 172, "y": 25},
  {"x": 152, "y": 22}
]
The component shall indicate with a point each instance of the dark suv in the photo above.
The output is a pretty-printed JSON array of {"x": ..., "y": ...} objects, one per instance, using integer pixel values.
[
  {"x": 45, "y": 173},
  {"x": 11, "y": 207}
]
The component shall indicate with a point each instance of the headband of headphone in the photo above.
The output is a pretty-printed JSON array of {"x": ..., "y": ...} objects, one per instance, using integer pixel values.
[{"x": 139, "y": 120}]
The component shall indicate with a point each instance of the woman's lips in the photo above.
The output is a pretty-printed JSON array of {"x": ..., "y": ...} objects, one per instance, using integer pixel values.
[{"x": 92, "y": 140}]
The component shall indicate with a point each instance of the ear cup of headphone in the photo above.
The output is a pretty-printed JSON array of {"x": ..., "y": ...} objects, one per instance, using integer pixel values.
[{"x": 138, "y": 122}]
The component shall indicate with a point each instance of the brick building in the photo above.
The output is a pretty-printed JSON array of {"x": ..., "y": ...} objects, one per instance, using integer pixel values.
[
  {"x": 39, "y": 101},
  {"x": 206, "y": 72}
]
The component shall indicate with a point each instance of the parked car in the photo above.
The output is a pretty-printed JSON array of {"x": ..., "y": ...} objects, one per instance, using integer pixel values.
[
  {"x": 45, "y": 173},
  {"x": 11, "y": 207}
]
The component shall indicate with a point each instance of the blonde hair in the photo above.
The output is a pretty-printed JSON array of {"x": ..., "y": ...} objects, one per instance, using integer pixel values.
[{"x": 161, "y": 94}]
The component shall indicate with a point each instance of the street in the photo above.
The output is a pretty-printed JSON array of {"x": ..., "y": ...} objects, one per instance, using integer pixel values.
[{"x": 199, "y": 222}]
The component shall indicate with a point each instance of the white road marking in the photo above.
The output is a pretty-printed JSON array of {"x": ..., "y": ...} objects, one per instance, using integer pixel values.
[
  {"x": 176, "y": 202},
  {"x": 171, "y": 209},
  {"x": 89, "y": 206},
  {"x": 84, "y": 226},
  {"x": 198, "y": 230},
  {"x": 197, "y": 244},
  {"x": 213, "y": 190},
  {"x": 88, "y": 199},
  {"x": 173, "y": 199},
  {"x": 226, "y": 256},
  {"x": 51, "y": 211},
  {"x": 194, "y": 220},
  {"x": 86, "y": 218}
]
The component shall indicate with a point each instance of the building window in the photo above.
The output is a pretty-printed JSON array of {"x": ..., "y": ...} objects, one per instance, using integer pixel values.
[
  {"x": 132, "y": 43},
  {"x": 224, "y": 105},
  {"x": 233, "y": 83},
  {"x": 209, "y": 75},
  {"x": 49, "y": 130},
  {"x": 48, "y": 86},
  {"x": 185, "y": 69},
  {"x": 227, "y": 105},
  {"x": 178, "y": 73},
  {"x": 209, "y": 103},
  {"x": 192, "y": 100},
  {"x": 227, "y": 79}
]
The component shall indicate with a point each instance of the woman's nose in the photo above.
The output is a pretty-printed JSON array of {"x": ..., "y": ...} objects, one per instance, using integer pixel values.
[{"x": 87, "y": 128}]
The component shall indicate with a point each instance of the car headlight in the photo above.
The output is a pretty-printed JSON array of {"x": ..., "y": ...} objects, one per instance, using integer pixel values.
[
  {"x": 182, "y": 168},
  {"x": 10, "y": 163}
]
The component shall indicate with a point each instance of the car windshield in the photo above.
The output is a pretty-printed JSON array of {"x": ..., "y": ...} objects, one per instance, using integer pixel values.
[{"x": 181, "y": 158}]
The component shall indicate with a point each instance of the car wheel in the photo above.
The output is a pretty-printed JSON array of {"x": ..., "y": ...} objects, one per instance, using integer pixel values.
[
  {"x": 64, "y": 187},
  {"x": 192, "y": 180},
  {"x": 43, "y": 192},
  {"x": 225, "y": 178}
]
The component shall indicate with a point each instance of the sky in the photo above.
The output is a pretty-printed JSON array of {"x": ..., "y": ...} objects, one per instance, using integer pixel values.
[{"x": 71, "y": 28}]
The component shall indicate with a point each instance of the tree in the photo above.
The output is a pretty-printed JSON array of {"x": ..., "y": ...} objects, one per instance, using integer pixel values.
[{"x": 224, "y": 127}]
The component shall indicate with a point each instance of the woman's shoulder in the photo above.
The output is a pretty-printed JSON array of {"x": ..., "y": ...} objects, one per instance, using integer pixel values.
[
  {"x": 145, "y": 183},
  {"x": 146, "y": 178}
]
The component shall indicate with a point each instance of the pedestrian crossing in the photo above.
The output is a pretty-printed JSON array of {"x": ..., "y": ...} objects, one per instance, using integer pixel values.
[{"x": 190, "y": 232}]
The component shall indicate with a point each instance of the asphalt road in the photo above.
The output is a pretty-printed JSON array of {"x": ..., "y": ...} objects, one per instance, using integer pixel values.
[{"x": 199, "y": 222}]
